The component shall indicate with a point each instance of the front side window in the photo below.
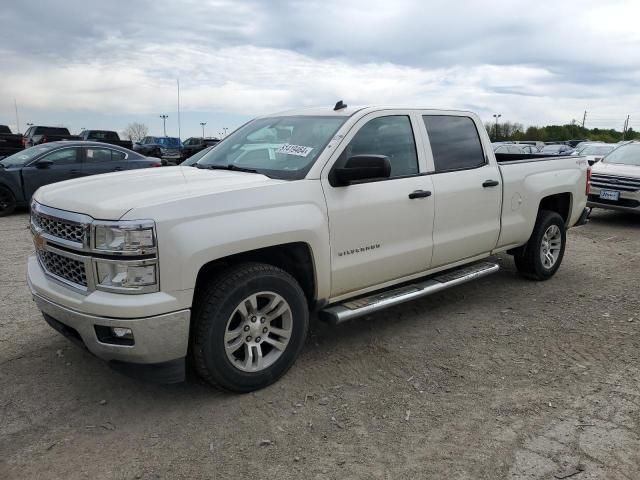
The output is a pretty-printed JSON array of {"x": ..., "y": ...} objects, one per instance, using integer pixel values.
[
  {"x": 279, "y": 147},
  {"x": 455, "y": 143},
  {"x": 390, "y": 136},
  {"x": 67, "y": 156}
]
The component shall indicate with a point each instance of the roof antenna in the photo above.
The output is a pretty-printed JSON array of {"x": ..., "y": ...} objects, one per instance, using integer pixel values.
[{"x": 339, "y": 106}]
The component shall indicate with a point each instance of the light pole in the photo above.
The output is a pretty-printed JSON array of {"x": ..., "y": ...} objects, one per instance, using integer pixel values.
[
  {"x": 496, "y": 116},
  {"x": 164, "y": 123},
  {"x": 202, "y": 124}
]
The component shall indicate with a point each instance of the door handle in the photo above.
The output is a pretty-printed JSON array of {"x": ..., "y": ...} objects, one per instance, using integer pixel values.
[
  {"x": 490, "y": 183},
  {"x": 419, "y": 194}
]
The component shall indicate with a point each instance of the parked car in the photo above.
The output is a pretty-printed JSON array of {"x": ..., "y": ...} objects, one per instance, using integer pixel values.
[
  {"x": 514, "y": 148},
  {"x": 582, "y": 145},
  {"x": 105, "y": 136},
  {"x": 358, "y": 210},
  {"x": 556, "y": 149},
  {"x": 596, "y": 152},
  {"x": 615, "y": 180},
  {"x": 195, "y": 158},
  {"x": 167, "y": 148},
  {"x": 36, "y": 135},
  {"x": 10, "y": 143},
  {"x": 196, "y": 144},
  {"x": 22, "y": 173}
]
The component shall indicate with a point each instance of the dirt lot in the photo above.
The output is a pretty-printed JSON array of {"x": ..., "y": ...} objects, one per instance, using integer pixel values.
[{"x": 502, "y": 378}]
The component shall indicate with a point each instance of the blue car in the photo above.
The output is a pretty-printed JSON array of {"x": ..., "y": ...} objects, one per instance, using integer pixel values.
[{"x": 166, "y": 148}]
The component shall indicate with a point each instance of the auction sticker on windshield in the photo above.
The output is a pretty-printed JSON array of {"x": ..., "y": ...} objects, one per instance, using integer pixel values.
[{"x": 298, "y": 150}]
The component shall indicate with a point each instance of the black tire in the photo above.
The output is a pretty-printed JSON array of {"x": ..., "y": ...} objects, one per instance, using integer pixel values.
[
  {"x": 215, "y": 306},
  {"x": 7, "y": 202},
  {"x": 529, "y": 259}
]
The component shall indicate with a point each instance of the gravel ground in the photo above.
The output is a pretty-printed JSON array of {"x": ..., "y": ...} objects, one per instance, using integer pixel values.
[{"x": 501, "y": 378}]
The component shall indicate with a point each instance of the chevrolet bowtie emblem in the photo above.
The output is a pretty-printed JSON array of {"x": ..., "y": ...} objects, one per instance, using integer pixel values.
[{"x": 39, "y": 241}]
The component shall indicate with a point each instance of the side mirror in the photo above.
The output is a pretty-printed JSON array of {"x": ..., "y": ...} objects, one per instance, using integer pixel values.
[
  {"x": 363, "y": 167},
  {"x": 43, "y": 164}
]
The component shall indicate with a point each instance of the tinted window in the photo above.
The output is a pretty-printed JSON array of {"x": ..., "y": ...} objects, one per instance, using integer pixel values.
[
  {"x": 117, "y": 156},
  {"x": 454, "y": 142},
  {"x": 390, "y": 136},
  {"x": 67, "y": 156},
  {"x": 52, "y": 131},
  {"x": 98, "y": 155}
]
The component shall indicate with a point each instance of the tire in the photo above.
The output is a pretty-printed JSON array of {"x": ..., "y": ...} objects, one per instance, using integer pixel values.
[
  {"x": 534, "y": 260},
  {"x": 7, "y": 202},
  {"x": 219, "y": 314}
]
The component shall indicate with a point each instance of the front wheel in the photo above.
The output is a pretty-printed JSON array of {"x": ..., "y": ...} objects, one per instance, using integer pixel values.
[
  {"x": 7, "y": 202},
  {"x": 541, "y": 257},
  {"x": 250, "y": 324}
]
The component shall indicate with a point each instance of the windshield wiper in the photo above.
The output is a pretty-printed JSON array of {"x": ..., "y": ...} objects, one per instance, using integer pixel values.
[{"x": 227, "y": 167}]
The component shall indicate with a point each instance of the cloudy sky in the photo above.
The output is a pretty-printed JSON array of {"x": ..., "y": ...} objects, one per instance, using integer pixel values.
[{"x": 105, "y": 64}]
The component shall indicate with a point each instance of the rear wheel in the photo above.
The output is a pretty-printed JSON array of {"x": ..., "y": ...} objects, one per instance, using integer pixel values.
[
  {"x": 541, "y": 257},
  {"x": 250, "y": 324},
  {"x": 7, "y": 202}
]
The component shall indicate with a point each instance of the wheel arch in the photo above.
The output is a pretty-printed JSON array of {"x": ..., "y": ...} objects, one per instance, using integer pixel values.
[
  {"x": 295, "y": 258},
  {"x": 559, "y": 202}
]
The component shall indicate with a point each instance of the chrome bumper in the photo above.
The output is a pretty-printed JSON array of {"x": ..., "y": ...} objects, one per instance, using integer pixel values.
[{"x": 157, "y": 339}]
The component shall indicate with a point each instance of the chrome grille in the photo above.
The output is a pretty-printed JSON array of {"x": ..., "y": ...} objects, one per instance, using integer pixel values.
[
  {"x": 58, "y": 228},
  {"x": 626, "y": 184},
  {"x": 66, "y": 268}
]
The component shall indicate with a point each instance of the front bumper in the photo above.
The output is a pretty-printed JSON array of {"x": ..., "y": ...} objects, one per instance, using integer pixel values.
[
  {"x": 159, "y": 346},
  {"x": 627, "y": 202}
]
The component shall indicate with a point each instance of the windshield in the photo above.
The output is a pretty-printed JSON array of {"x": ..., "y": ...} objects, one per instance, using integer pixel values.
[
  {"x": 25, "y": 156},
  {"x": 196, "y": 156},
  {"x": 597, "y": 150},
  {"x": 169, "y": 141},
  {"x": 279, "y": 147},
  {"x": 625, "y": 155}
]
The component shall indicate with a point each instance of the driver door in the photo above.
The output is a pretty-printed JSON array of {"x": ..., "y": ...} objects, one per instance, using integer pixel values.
[
  {"x": 66, "y": 163},
  {"x": 379, "y": 232}
]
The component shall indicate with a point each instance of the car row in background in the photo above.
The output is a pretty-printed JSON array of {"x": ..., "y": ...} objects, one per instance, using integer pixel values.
[
  {"x": 105, "y": 136},
  {"x": 171, "y": 149},
  {"x": 10, "y": 143},
  {"x": 22, "y": 173}
]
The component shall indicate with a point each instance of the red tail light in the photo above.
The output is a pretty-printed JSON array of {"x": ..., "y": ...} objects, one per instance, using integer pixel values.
[
  {"x": 24, "y": 142},
  {"x": 588, "y": 187},
  {"x": 156, "y": 164}
]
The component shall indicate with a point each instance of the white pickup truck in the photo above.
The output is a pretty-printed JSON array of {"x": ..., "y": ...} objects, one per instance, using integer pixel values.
[{"x": 339, "y": 211}]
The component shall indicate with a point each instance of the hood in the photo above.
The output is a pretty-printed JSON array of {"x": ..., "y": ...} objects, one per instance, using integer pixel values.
[
  {"x": 604, "y": 168},
  {"x": 110, "y": 196}
]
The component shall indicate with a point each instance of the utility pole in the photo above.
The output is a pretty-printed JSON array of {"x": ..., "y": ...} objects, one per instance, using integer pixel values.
[
  {"x": 496, "y": 116},
  {"x": 584, "y": 118},
  {"x": 202, "y": 124},
  {"x": 626, "y": 126},
  {"x": 164, "y": 123}
]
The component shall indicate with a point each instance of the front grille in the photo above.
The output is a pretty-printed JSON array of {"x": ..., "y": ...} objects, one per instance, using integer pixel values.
[
  {"x": 58, "y": 228},
  {"x": 623, "y": 184},
  {"x": 66, "y": 268}
]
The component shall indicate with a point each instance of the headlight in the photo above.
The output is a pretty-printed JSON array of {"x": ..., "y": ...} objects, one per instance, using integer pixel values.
[
  {"x": 134, "y": 276},
  {"x": 132, "y": 238}
]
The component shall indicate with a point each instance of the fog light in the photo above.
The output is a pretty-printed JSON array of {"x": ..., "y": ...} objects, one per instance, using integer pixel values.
[
  {"x": 114, "y": 335},
  {"x": 120, "y": 332}
]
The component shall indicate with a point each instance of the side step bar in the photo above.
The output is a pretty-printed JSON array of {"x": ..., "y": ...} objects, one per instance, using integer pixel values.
[{"x": 341, "y": 312}]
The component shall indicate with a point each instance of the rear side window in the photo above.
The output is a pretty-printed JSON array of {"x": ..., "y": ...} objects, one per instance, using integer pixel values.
[
  {"x": 102, "y": 155},
  {"x": 390, "y": 136},
  {"x": 454, "y": 142}
]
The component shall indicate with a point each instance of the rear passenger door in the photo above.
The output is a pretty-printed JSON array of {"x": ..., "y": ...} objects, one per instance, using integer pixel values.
[
  {"x": 467, "y": 190},
  {"x": 378, "y": 232},
  {"x": 103, "y": 160}
]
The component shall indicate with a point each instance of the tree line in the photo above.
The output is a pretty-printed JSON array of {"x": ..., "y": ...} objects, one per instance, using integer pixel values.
[{"x": 510, "y": 131}]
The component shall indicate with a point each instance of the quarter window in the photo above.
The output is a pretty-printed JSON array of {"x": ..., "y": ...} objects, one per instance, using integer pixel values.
[
  {"x": 391, "y": 136},
  {"x": 455, "y": 143}
]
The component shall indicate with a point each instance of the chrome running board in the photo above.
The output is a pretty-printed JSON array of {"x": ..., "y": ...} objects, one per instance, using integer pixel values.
[{"x": 341, "y": 312}]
